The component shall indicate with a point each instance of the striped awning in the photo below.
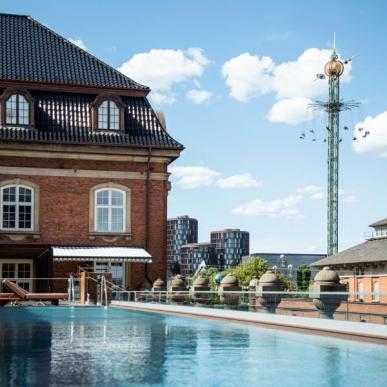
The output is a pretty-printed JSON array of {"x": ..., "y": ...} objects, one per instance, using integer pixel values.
[{"x": 101, "y": 253}]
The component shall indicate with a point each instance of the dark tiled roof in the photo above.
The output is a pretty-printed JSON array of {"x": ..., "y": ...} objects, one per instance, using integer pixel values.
[
  {"x": 32, "y": 52},
  {"x": 66, "y": 117},
  {"x": 382, "y": 222},
  {"x": 373, "y": 250}
]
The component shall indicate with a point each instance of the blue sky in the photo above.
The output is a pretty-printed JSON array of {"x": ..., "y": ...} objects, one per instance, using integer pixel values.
[{"x": 233, "y": 78}]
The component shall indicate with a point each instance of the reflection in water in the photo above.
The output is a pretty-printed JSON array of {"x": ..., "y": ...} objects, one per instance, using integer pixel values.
[{"x": 97, "y": 346}]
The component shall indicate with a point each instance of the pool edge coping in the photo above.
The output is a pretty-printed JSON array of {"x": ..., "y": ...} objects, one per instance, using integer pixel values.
[{"x": 243, "y": 319}]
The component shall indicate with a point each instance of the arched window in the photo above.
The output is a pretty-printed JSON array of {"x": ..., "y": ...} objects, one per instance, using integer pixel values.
[
  {"x": 17, "y": 110},
  {"x": 110, "y": 204},
  {"x": 17, "y": 207},
  {"x": 108, "y": 116}
]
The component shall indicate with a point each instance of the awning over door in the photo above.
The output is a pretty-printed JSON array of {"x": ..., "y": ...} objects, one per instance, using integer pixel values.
[{"x": 101, "y": 253}]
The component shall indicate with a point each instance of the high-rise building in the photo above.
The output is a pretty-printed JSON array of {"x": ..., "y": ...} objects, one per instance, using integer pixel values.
[
  {"x": 192, "y": 256},
  {"x": 230, "y": 246},
  {"x": 182, "y": 230}
]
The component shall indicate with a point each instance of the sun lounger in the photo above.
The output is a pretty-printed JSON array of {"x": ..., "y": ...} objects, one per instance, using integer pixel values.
[
  {"x": 27, "y": 296},
  {"x": 8, "y": 297}
]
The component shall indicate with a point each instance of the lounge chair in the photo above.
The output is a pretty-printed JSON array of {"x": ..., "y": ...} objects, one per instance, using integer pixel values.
[
  {"x": 8, "y": 297},
  {"x": 27, "y": 296}
]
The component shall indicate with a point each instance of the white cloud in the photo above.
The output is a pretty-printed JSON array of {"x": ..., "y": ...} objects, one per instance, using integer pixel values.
[
  {"x": 248, "y": 76},
  {"x": 298, "y": 78},
  {"x": 163, "y": 99},
  {"x": 291, "y": 111},
  {"x": 284, "y": 208},
  {"x": 193, "y": 176},
  {"x": 294, "y": 82},
  {"x": 376, "y": 142},
  {"x": 347, "y": 198},
  {"x": 161, "y": 69},
  {"x": 198, "y": 96},
  {"x": 78, "y": 42},
  {"x": 312, "y": 191},
  {"x": 244, "y": 180}
]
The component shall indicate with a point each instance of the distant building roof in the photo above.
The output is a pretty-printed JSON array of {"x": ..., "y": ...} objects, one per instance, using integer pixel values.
[
  {"x": 382, "y": 222},
  {"x": 295, "y": 259},
  {"x": 373, "y": 250},
  {"x": 32, "y": 52}
]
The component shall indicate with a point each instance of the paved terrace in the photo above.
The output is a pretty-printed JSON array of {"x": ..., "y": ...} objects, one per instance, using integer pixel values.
[{"x": 344, "y": 329}]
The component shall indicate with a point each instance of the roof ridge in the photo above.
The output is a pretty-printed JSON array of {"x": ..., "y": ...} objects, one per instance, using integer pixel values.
[
  {"x": 13, "y": 14},
  {"x": 82, "y": 51}
]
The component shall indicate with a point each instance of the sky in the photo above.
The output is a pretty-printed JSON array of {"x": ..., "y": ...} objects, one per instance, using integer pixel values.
[{"x": 234, "y": 79}]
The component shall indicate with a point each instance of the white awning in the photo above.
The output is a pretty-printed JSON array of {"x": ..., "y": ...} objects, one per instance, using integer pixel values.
[{"x": 101, "y": 253}]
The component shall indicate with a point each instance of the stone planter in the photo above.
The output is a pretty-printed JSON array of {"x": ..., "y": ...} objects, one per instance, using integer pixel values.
[
  {"x": 269, "y": 282},
  {"x": 327, "y": 280},
  {"x": 227, "y": 287},
  {"x": 178, "y": 289},
  {"x": 198, "y": 286},
  {"x": 158, "y": 291}
]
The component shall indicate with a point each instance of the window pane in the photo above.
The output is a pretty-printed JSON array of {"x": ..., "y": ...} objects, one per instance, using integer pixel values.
[
  {"x": 102, "y": 223},
  {"x": 103, "y": 197},
  {"x": 117, "y": 198},
  {"x": 25, "y": 195},
  {"x": 117, "y": 273},
  {"x": 103, "y": 115},
  {"x": 11, "y": 112},
  {"x": 24, "y": 270},
  {"x": 117, "y": 219},
  {"x": 9, "y": 216},
  {"x": 25, "y": 217},
  {"x": 9, "y": 194},
  {"x": 8, "y": 270},
  {"x": 114, "y": 116},
  {"x": 23, "y": 110},
  {"x": 102, "y": 267}
]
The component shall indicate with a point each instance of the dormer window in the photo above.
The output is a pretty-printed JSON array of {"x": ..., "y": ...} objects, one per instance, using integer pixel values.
[
  {"x": 108, "y": 116},
  {"x": 17, "y": 108},
  {"x": 108, "y": 113}
]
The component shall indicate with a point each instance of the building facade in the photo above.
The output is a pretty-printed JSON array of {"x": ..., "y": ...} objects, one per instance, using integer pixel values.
[
  {"x": 181, "y": 230},
  {"x": 193, "y": 254},
  {"x": 364, "y": 267},
  {"x": 230, "y": 246},
  {"x": 83, "y": 164}
]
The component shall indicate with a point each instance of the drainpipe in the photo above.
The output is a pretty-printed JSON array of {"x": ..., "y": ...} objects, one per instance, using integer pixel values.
[{"x": 147, "y": 201}]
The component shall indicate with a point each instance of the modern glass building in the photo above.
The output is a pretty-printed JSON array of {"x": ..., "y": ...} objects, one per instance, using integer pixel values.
[
  {"x": 192, "y": 256},
  {"x": 230, "y": 246},
  {"x": 181, "y": 231}
]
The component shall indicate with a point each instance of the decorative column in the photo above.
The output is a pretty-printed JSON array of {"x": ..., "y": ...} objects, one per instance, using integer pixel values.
[
  {"x": 199, "y": 285},
  {"x": 228, "y": 285},
  {"x": 269, "y": 282},
  {"x": 327, "y": 280}
]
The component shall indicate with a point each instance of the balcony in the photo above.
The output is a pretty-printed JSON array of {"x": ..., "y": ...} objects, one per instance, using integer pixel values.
[{"x": 382, "y": 233}]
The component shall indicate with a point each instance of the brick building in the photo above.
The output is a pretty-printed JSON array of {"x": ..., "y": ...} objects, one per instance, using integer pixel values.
[
  {"x": 83, "y": 163},
  {"x": 364, "y": 267}
]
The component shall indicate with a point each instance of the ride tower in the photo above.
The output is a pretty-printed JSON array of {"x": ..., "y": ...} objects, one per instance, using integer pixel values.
[{"x": 333, "y": 70}]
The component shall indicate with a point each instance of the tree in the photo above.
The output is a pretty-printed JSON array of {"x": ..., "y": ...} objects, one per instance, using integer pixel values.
[
  {"x": 244, "y": 272},
  {"x": 303, "y": 277}
]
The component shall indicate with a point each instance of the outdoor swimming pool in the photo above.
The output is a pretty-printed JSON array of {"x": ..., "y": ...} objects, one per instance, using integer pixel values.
[{"x": 97, "y": 346}]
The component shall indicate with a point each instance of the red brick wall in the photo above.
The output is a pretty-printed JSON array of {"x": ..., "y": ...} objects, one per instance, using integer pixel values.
[{"x": 64, "y": 209}]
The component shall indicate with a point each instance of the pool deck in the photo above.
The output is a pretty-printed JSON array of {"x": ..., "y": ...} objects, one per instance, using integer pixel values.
[{"x": 376, "y": 333}]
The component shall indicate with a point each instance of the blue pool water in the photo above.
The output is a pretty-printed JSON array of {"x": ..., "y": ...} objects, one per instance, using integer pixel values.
[{"x": 110, "y": 347}]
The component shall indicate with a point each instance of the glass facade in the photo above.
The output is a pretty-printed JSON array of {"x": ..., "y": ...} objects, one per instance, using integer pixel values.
[
  {"x": 180, "y": 231},
  {"x": 192, "y": 256},
  {"x": 230, "y": 246}
]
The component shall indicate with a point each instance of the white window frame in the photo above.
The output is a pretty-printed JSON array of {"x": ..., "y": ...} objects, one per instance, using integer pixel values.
[
  {"x": 16, "y": 262},
  {"x": 110, "y": 107},
  {"x": 17, "y": 204},
  {"x": 109, "y": 206}
]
